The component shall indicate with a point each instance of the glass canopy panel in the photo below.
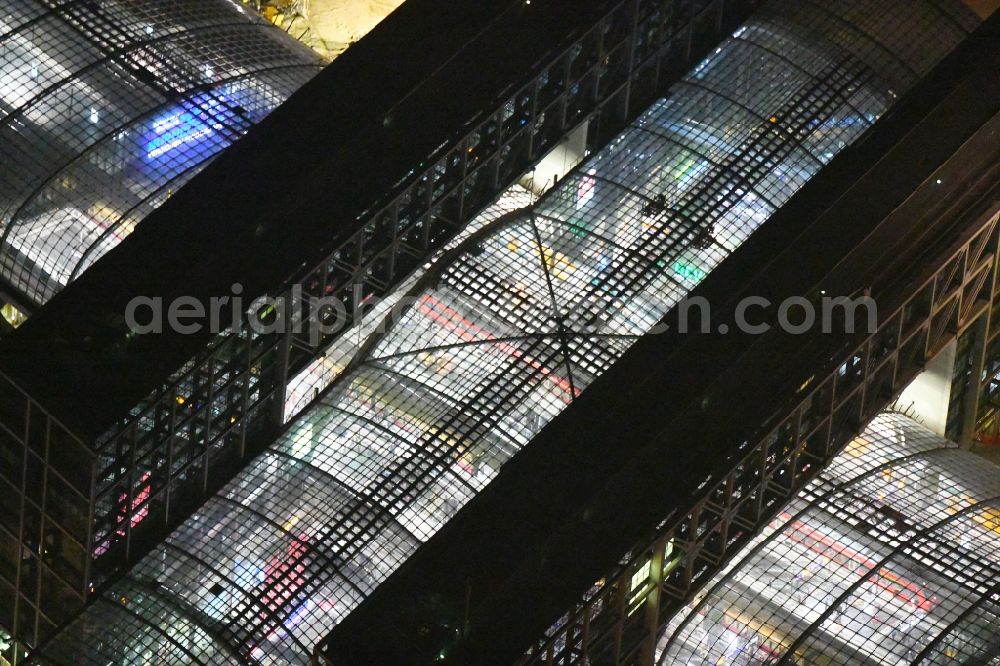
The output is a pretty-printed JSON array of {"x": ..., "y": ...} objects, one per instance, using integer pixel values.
[
  {"x": 16, "y": 14},
  {"x": 928, "y": 29},
  {"x": 884, "y": 555},
  {"x": 814, "y": 21},
  {"x": 27, "y": 70},
  {"x": 97, "y": 214},
  {"x": 886, "y": 439},
  {"x": 505, "y": 331},
  {"x": 107, "y": 107},
  {"x": 117, "y": 635},
  {"x": 749, "y": 76},
  {"x": 973, "y": 639},
  {"x": 710, "y": 126}
]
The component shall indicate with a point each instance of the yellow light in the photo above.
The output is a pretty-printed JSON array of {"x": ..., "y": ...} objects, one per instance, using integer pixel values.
[
  {"x": 773, "y": 119},
  {"x": 857, "y": 447},
  {"x": 640, "y": 577},
  {"x": 180, "y": 400},
  {"x": 806, "y": 384},
  {"x": 13, "y": 316}
]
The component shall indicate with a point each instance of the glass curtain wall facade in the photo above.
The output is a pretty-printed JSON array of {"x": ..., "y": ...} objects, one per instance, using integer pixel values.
[
  {"x": 891, "y": 556},
  {"x": 109, "y": 106},
  {"x": 503, "y": 332}
]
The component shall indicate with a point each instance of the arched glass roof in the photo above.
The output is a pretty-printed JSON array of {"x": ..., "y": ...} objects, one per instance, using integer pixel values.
[
  {"x": 504, "y": 331},
  {"x": 109, "y": 106},
  {"x": 891, "y": 556}
]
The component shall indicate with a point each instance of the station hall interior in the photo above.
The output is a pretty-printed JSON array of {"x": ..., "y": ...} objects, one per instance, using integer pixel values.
[{"x": 498, "y": 448}]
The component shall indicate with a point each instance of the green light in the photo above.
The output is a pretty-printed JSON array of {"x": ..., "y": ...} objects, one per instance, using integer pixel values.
[
  {"x": 640, "y": 577},
  {"x": 688, "y": 271},
  {"x": 685, "y": 169}
]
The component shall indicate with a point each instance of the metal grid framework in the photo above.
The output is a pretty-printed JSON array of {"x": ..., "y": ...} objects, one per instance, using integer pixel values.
[
  {"x": 105, "y": 108},
  {"x": 890, "y": 555},
  {"x": 44, "y": 521},
  {"x": 108, "y": 107},
  {"x": 496, "y": 339},
  {"x": 988, "y": 409},
  {"x": 624, "y": 614},
  {"x": 981, "y": 412},
  {"x": 227, "y": 403}
]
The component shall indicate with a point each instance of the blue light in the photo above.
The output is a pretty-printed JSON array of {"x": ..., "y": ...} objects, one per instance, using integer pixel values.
[{"x": 198, "y": 118}]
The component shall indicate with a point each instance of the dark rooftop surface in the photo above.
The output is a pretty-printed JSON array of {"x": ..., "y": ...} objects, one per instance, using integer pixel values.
[
  {"x": 643, "y": 436},
  {"x": 284, "y": 196}
]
